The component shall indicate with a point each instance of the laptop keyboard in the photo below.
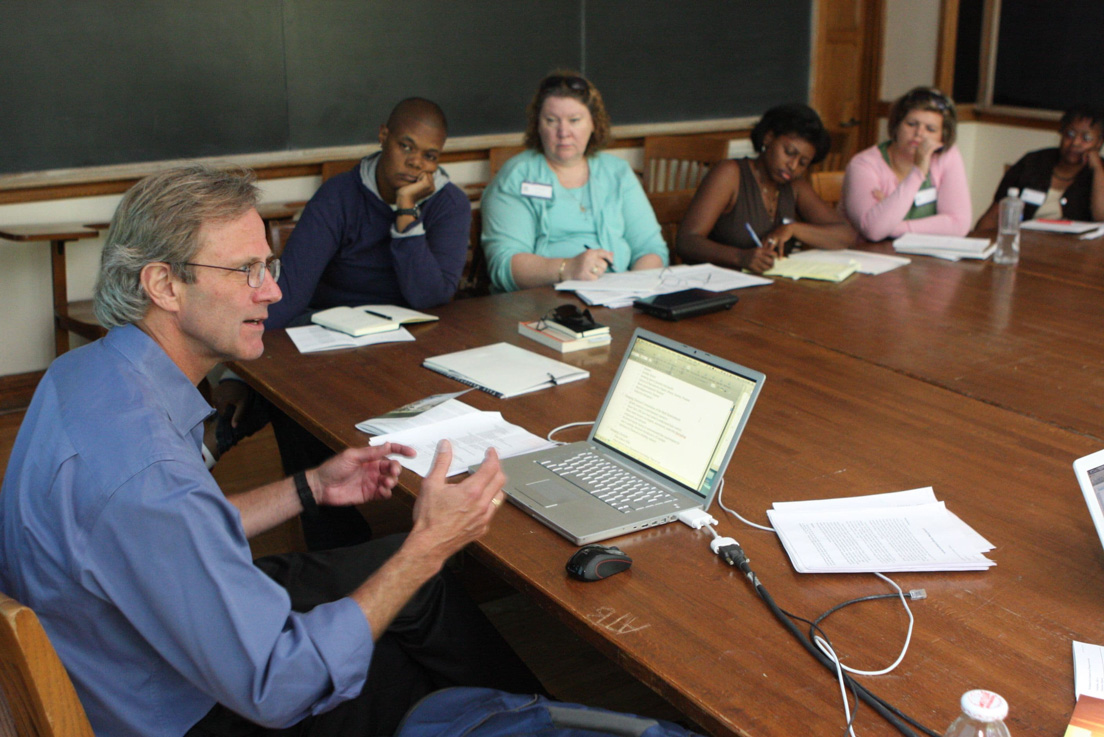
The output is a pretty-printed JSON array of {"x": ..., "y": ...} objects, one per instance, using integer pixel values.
[{"x": 600, "y": 477}]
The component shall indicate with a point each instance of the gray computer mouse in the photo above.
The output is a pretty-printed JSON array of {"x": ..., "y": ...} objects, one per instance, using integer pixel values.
[{"x": 595, "y": 562}]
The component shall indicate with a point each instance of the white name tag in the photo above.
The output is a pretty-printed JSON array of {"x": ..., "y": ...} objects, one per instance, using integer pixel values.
[
  {"x": 925, "y": 196},
  {"x": 536, "y": 189},
  {"x": 1033, "y": 196}
]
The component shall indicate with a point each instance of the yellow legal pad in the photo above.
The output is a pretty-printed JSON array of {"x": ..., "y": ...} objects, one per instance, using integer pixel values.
[{"x": 811, "y": 268}]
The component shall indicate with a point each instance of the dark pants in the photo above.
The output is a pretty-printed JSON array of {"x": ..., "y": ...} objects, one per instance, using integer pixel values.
[
  {"x": 439, "y": 639},
  {"x": 331, "y": 527}
]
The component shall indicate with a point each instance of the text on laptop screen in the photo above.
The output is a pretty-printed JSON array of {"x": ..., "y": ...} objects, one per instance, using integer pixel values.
[{"x": 674, "y": 413}]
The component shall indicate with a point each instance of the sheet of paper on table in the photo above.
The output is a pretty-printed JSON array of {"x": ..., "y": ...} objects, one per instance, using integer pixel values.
[
  {"x": 1088, "y": 670},
  {"x": 315, "y": 338},
  {"x": 620, "y": 289}
]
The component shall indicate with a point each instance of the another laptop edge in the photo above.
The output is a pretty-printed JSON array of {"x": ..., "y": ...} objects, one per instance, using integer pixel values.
[{"x": 1090, "y": 475}]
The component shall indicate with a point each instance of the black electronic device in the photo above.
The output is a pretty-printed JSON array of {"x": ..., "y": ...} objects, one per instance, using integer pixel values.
[
  {"x": 572, "y": 321},
  {"x": 685, "y": 303},
  {"x": 595, "y": 562}
]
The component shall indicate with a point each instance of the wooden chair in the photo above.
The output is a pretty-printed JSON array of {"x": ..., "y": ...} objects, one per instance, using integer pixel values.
[
  {"x": 680, "y": 162},
  {"x": 39, "y": 698},
  {"x": 476, "y": 281},
  {"x": 828, "y": 185},
  {"x": 340, "y": 166},
  {"x": 499, "y": 155},
  {"x": 670, "y": 208},
  {"x": 841, "y": 150},
  {"x": 278, "y": 235}
]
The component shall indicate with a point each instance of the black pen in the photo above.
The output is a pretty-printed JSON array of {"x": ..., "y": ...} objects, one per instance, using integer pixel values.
[
  {"x": 379, "y": 314},
  {"x": 608, "y": 262}
]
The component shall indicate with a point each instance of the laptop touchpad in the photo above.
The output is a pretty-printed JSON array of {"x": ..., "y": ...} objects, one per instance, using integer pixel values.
[{"x": 549, "y": 493}]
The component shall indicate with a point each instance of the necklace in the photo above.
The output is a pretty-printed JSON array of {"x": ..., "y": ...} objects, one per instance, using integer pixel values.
[
  {"x": 571, "y": 194},
  {"x": 1061, "y": 178},
  {"x": 769, "y": 194}
]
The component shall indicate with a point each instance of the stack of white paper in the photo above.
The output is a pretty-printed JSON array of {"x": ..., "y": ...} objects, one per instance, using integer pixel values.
[
  {"x": 470, "y": 432},
  {"x": 946, "y": 247},
  {"x": 620, "y": 289},
  {"x": 1073, "y": 227},
  {"x": 423, "y": 412},
  {"x": 903, "y": 531}
]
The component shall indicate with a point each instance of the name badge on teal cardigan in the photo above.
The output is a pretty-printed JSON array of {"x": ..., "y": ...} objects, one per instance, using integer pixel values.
[{"x": 537, "y": 190}]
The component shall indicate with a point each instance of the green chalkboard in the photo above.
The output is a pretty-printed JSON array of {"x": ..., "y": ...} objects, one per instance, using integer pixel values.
[{"x": 100, "y": 82}]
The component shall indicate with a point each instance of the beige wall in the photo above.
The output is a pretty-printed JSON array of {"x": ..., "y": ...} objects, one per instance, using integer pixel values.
[
  {"x": 911, "y": 45},
  {"x": 988, "y": 149}
]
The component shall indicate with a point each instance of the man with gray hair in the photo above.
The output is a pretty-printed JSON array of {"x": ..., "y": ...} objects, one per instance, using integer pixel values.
[{"x": 113, "y": 530}]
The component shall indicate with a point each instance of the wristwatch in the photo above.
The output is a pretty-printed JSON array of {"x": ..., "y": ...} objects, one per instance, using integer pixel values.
[{"x": 415, "y": 211}]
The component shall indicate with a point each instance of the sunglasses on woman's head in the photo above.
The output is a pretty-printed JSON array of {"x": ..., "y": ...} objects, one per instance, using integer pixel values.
[{"x": 576, "y": 84}]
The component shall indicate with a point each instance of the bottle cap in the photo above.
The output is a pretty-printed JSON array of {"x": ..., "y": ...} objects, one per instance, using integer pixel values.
[{"x": 984, "y": 706}]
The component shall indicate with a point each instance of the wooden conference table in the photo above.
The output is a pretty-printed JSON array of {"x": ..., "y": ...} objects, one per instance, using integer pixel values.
[
  {"x": 829, "y": 422},
  {"x": 1027, "y": 339}
]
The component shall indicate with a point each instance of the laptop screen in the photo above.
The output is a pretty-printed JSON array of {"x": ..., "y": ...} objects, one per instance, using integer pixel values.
[{"x": 677, "y": 412}]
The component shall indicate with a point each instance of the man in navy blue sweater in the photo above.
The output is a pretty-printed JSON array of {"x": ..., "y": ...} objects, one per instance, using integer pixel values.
[{"x": 392, "y": 230}]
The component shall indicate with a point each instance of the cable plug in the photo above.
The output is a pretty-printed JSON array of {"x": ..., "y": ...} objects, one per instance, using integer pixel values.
[
  {"x": 918, "y": 594},
  {"x": 696, "y": 518},
  {"x": 731, "y": 553}
]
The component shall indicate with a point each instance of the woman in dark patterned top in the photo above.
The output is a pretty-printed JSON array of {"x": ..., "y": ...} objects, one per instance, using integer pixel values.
[{"x": 769, "y": 193}]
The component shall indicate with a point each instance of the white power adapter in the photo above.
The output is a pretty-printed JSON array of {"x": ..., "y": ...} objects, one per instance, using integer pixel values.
[{"x": 696, "y": 518}]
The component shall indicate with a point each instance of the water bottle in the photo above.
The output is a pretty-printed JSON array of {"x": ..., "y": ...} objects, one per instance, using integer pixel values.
[
  {"x": 1008, "y": 232},
  {"x": 983, "y": 714}
]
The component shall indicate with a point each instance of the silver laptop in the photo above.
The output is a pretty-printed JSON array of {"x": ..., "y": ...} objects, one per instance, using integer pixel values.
[
  {"x": 661, "y": 443},
  {"x": 1090, "y": 474}
]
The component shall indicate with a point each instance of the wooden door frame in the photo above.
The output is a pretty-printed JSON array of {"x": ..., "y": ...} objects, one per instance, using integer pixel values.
[
  {"x": 873, "y": 41},
  {"x": 870, "y": 79}
]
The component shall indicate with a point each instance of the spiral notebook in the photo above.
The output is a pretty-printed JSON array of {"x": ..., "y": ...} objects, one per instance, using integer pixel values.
[{"x": 504, "y": 370}]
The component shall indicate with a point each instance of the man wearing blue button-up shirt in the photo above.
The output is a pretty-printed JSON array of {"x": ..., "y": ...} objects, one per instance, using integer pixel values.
[{"x": 139, "y": 567}]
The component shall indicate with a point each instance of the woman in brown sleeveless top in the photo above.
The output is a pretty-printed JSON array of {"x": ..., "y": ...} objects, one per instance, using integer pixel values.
[{"x": 768, "y": 193}]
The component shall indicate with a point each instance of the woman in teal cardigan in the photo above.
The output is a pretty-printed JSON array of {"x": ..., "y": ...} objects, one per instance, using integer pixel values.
[{"x": 562, "y": 210}]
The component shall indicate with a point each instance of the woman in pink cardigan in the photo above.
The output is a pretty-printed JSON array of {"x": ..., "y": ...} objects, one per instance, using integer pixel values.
[{"x": 915, "y": 182}]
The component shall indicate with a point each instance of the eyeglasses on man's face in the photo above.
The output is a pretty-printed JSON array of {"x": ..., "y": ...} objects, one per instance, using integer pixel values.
[{"x": 254, "y": 272}]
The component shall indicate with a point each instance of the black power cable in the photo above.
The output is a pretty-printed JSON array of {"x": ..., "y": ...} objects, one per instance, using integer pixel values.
[{"x": 734, "y": 555}]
